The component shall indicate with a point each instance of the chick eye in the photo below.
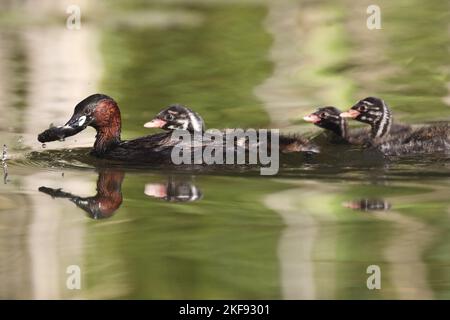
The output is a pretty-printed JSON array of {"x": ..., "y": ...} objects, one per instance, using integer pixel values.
[
  {"x": 362, "y": 108},
  {"x": 169, "y": 117},
  {"x": 87, "y": 111},
  {"x": 322, "y": 114}
]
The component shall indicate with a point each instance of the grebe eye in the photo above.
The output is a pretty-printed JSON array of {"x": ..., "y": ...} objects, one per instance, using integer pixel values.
[
  {"x": 322, "y": 114},
  {"x": 362, "y": 108},
  {"x": 169, "y": 117},
  {"x": 87, "y": 111}
]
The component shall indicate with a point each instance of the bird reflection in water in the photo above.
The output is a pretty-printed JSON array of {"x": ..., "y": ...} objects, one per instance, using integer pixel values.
[
  {"x": 368, "y": 205},
  {"x": 109, "y": 194},
  {"x": 105, "y": 203},
  {"x": 174, "y": 191}
]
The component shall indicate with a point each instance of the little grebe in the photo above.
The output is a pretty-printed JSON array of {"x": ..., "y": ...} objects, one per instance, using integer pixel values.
[{"x": 376, "y": 113}]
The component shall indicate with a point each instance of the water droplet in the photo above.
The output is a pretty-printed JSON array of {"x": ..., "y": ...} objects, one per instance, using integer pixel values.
[{"x": 44, "y": 146}]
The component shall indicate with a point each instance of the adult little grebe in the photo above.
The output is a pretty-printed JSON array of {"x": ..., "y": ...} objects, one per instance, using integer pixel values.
[
  {"x": 376, "y": 113},
  {"x": 102, "y": 113},
  {"x": 329, "y": 118},
  {"x": 179, "y": 117}
]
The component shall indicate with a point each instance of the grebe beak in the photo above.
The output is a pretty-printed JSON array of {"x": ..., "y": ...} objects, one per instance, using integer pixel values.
[
  {"x": 155, "y": 123},
  {"x": 350, "y": 114},
  {"x": 75, "y": 125},
  {"x": 311, "y": 118}
]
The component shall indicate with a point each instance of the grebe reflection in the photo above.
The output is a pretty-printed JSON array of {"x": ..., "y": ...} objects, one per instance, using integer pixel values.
[{"x": 109, "y": 193}]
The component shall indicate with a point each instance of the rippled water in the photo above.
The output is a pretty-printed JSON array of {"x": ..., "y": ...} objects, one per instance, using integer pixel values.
[{"x": 164, "y": 232}]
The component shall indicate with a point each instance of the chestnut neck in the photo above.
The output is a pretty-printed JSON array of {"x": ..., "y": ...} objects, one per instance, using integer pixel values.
[{"x": 108, "y": 125}]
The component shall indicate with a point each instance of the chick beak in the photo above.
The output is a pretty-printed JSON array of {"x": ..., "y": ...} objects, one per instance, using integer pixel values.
[
  {"x": 155, "y": 123},
  {"x": 311, "y": 118},
  {"x": 350, "y": 114}
]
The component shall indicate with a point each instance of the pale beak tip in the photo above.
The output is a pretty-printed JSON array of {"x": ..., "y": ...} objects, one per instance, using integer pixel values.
[
  {"x": 155, "y": 123},
  {"x": 311, "y": 118}
]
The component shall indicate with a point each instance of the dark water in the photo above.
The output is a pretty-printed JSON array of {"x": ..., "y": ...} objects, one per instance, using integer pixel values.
[{"x": 162, "y": 233}]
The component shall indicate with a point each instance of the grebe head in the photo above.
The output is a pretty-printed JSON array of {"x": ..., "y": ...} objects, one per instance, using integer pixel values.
[
  {"x": 98, "y": 111},
  {"x": 328, "y": 118},
  {"x": 373, "y": 111},
  {"x": 177, "y": 117}
]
